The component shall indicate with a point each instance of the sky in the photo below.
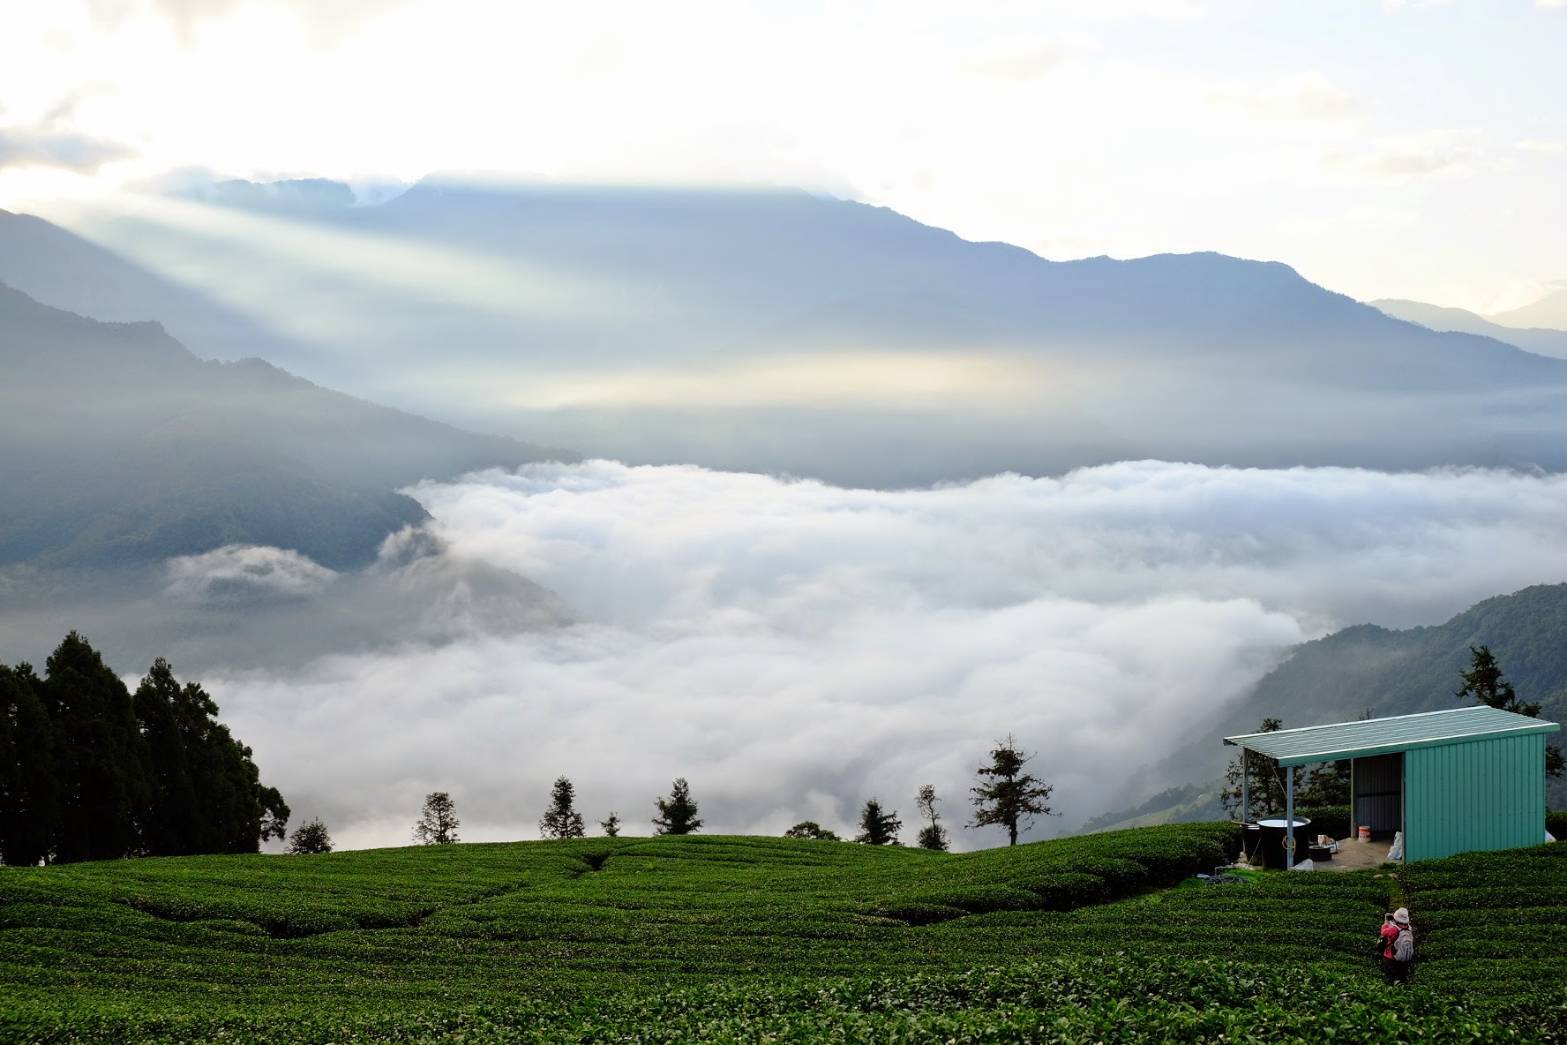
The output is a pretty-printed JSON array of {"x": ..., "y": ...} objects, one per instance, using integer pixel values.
[
  {"x": 794, "y": 648},
  {"x": 1385, "y": 149}
]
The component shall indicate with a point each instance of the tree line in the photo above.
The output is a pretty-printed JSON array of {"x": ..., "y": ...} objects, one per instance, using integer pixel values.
[
  {"x": 92, "y": 771},
  {"x": 1006, "y": 795}
]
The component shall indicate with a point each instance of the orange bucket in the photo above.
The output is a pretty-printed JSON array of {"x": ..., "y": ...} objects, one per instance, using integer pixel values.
[{"x": 1365, "y": 833}]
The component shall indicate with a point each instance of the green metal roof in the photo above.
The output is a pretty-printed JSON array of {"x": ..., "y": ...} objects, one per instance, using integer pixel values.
[{"x": 1382, "y": 736}]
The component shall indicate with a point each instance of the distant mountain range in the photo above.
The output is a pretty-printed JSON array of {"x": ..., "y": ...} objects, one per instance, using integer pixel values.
[
  {"x": 782, "y": 331},
  {"x": 1387, "y": 672},
  {"x": 1544, "y": 341},
  {"x": 118, "y": 446}
]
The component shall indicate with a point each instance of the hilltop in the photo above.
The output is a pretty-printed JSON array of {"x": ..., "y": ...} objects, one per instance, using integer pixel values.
[{"x": 728, "y": 938}]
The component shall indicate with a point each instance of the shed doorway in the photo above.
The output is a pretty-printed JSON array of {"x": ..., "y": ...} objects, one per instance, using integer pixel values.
[{"x": 1377, "y": 795}]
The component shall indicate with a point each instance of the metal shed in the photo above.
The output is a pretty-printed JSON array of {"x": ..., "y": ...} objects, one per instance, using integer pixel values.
[{"x": 1452, "y": 781}]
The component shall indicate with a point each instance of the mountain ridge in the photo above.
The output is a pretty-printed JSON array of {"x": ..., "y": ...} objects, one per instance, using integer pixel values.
[{"x": 162, "y": 453}]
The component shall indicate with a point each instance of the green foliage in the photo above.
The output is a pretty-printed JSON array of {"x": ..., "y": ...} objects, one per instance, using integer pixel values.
[
  {"x": 562, "y": 820},
  {"x": 1484, "y": 681},
  {"x": 1006, "y": 795},
  {"x": 309, "y": 838},
  {"x": 29, "y": 782},
  {"x": 878, "y": 826},
  {"x": 1403, "y": 672},
  {"x": 1491, "y": 924},
  {"x": 1326, "y": 820},
  {"x": 610, "y": 825},
  {"x": 932, "y": 835},
  {"x": 717, "y": 938},
  {"x": 437, "y": 823},
  {"x": 677, "y": 813},
  {"x": 88, "y": 772},
  {"x": 812, "y": 830},
  {"x": 1264, "y": 780}
]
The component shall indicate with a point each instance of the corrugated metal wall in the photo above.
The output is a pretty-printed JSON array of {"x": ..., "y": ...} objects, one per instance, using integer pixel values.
[
  {"x": 1378, "y": 783},
  {"x": 1482, "y": 794}
]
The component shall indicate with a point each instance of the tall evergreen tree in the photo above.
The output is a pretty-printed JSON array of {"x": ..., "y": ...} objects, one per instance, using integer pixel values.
[
  {"x": 438, "y": 821},
  {"x": 175, "y": 821},
  {"x": 932, "y": 835},
  {"x": 677, "y": 813},
  {"x": 561, "y": 819},
  {"x": 29, "y": 783},
  {"x": 1485, "y": 682},
  {"x": 1006, "y": 795},
  {"x": 610, "y": 825},
  {"x": 877, "y": 825},
  {"x": 103, "y": 768}
]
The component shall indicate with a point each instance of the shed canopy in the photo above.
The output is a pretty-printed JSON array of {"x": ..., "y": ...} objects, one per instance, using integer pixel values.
[{"x": 1382, "y": 736}]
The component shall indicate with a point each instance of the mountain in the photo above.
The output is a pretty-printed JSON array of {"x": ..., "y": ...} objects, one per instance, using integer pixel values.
[
  {"x": 1387, "y": 672},
  {"x": 1532, "y": 339},
  {"x": 119, "y": 446},
  {"x": 785, "y": 331},
  {"x": 1550, "y": 312}
]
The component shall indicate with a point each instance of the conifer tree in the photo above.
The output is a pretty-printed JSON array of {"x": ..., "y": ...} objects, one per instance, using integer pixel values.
[
  {"x": 677, "y": 813},
  {"x": 1006, "y": 795},
  {"x": 562, "y": 820},
  {"x": 878, "y": 826},
  {"x": 1485, "y": 682},
  {"x": 28, "y": 782},
  {"x": 610, "y": 825},
  {"x": 103, "y": 770}
]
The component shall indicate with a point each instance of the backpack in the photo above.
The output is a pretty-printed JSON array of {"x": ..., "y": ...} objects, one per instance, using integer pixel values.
[{"x": 1404, "y": 946}]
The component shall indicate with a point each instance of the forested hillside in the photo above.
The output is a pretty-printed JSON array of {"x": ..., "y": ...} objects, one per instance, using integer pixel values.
[
  {"x": 1386, "y": 672},
  {"x": 119, "y": 446}
]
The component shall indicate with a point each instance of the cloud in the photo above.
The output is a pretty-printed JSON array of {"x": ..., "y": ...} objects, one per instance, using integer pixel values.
[
  {"x": 794, "y": 648},
  {"x": 1548, "y": 146},
  {"x": 244, "y": 573},
  {"x": 49, "y": 147}
]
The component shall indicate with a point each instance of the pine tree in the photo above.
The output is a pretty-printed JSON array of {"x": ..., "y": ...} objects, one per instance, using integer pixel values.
[
  {"x": 1006, "y": 795},
  {"x": 438, "y": 821},
  {"x": 310, "y": 837},
  {"x": 932, "y": 835},
  {"x": 1485, "y": 682},
  {"x": 561, "y": 820},
  {"x": 877, "y": 826},
  {"x": 677, "y": 813},
  {"x": 29, "y": 786},
  {"x": 1264, "y": 782},
  {"x": 610, "y": 825}
]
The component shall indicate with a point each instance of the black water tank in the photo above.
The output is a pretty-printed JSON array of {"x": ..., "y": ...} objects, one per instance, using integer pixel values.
[{"x": 1272, "y": 843}]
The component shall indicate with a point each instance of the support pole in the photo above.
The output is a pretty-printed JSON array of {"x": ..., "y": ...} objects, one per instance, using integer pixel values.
[
  {"x": 1289, "y": 818},
  {"x": 1245, "y": 794}
]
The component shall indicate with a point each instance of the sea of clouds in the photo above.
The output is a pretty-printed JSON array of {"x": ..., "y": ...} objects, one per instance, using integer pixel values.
[{"x": 794, "y": 648}]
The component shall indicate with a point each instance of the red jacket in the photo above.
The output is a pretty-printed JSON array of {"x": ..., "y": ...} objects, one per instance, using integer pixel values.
[{"x": 1390, "y": 931}]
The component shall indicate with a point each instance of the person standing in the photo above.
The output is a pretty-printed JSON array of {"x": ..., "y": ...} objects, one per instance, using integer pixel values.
[{"x": 1398, "y": 947}]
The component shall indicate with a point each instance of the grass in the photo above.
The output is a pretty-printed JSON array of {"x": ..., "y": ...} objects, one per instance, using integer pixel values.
[{"x": 670, "y": 938}]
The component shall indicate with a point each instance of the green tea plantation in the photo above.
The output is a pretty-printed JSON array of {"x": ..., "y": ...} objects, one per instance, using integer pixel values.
[{"x": 1095, "y": 938}]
